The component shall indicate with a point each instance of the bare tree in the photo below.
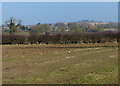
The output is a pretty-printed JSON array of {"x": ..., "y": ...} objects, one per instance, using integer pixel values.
[{"x": 13, "y": 25}]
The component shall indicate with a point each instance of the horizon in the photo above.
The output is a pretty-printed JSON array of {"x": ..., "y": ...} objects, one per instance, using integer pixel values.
[
  {"x": 32, "y": 13},
  {"x": 70, "y": 22}
]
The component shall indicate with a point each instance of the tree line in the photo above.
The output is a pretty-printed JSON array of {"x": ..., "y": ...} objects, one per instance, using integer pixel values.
[
  {"x": 74, "y": 37},
  {"x": 62, "y": 38}
]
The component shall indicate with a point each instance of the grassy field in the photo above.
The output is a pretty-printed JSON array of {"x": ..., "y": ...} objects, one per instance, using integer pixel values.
[{"x": 46, "y": 64}]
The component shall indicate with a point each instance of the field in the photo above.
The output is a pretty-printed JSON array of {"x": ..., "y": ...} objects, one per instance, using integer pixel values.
[{"x": 48, "y": 64}]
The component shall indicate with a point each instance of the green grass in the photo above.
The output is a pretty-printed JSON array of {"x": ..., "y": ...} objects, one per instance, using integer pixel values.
[{"x": 36, "y": 64}]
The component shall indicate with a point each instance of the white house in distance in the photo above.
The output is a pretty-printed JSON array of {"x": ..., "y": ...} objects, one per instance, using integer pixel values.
[{"x": 92, "y": 22}]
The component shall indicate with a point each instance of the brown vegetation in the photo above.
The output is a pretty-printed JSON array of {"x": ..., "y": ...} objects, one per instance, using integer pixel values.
[{"x": 65, "y": 38}]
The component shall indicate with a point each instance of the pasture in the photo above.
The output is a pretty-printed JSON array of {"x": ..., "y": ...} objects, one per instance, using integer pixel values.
[{"x": 48, "y": 64}]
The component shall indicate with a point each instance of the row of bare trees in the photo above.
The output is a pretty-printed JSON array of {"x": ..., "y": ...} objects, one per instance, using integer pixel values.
[{"x": 59, "y": 38}]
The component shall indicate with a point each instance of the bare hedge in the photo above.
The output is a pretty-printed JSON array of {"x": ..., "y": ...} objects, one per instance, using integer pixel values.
[
  {"x": 13, "y": 39},
  {"x": 62, "y": 38}
]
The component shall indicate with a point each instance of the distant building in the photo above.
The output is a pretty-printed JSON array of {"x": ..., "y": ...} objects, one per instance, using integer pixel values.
[
  {"x": 92, "y": 22},
  {"x": 65, "y": 23}
]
